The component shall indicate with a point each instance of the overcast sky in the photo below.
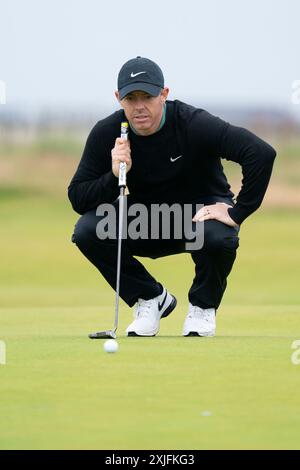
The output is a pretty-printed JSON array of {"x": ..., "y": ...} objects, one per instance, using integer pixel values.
[{"x": 69, "y": 52}]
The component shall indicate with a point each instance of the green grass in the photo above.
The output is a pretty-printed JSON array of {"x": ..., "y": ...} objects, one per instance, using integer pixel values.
[
  {"x": 60, "y": 390},
  {"x": 42, "y": 144}
]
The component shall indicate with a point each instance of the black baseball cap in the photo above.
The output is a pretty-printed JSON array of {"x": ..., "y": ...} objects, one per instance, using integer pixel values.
[{"x": 140, "y": 74}]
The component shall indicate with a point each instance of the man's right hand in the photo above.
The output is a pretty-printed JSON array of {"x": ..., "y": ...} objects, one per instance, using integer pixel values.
[{"x": 121, "y": 153}]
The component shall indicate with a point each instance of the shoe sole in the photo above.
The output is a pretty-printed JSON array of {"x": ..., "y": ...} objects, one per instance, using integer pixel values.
[
  {"x": 195, "y": 333},
  {"x": 166, "y": 313}
]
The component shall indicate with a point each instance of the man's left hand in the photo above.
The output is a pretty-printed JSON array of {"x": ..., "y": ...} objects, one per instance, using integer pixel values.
[{"x": 218, "y": 211}]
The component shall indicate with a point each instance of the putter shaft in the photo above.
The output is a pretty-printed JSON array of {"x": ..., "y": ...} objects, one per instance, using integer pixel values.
[{"x": 122, "y": 185}]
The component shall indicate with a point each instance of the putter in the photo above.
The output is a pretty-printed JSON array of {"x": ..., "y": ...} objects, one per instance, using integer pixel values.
[{"x": 122, "y": 185}]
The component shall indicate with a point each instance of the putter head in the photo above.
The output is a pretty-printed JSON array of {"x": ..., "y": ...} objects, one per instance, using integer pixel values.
[{"x": 103, "y": 334}]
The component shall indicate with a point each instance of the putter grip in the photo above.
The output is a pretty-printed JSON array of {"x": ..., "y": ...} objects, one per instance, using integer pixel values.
[{"x": 122, "y": 167}]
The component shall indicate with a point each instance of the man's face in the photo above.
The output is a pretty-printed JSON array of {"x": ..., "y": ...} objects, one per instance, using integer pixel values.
[{"x": 143, "y": 111}]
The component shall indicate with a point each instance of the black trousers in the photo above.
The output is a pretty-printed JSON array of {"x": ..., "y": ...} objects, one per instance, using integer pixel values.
[{"x": 213, "y": 262}]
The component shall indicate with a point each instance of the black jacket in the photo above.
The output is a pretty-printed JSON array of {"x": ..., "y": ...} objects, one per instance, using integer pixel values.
[{"x": 158, "y": 175}]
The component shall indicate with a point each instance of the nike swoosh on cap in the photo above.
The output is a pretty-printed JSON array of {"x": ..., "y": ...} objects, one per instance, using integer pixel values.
[
  {"x": 135, "y": 74},
  {"x": 174, "y": 159}
]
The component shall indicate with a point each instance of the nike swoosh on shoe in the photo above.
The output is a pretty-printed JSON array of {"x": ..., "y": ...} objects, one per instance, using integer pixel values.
[{"x": 160, "y": 305}]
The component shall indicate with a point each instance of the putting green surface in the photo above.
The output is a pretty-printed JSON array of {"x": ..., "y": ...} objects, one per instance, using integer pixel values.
[{"x": 60, "y": 390}]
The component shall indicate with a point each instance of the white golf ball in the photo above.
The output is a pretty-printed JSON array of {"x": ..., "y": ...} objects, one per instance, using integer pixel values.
[{"x": 111, "y": 346}]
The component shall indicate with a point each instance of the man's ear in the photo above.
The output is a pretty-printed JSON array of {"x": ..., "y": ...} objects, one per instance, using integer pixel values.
[
  {"x": 164, "y": 94},
  {"x": 117, "y": 95}
]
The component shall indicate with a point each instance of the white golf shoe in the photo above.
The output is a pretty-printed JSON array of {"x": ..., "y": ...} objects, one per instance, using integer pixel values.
[
  {"x": 200, "y": 321},
  {"x": 148, "y": 313}
]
